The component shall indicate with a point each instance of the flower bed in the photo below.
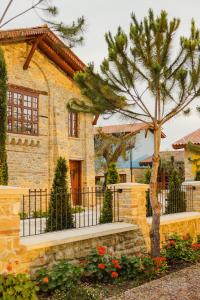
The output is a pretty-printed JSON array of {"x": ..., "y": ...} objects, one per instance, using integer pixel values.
[{"x": 98, "y": 273}]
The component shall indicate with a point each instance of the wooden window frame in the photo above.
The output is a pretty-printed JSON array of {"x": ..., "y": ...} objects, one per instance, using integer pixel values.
[
  {"x": 16, "y": 112},
  {"x": 73, "y": 124},
  {"x": 122, "y": 178}
]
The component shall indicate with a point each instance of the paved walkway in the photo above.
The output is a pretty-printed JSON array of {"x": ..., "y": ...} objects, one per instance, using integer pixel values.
[{"x": 181, "y": 285}]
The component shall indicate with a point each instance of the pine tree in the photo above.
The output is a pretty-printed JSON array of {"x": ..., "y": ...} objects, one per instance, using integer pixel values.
[
  {"x": 3, "y": 117},
  {"x": 112, "y": 177},
  {"x": 60, "y": 212},
  {"x": 176, "y": 201},
  {"x": 144, "y": 79}
]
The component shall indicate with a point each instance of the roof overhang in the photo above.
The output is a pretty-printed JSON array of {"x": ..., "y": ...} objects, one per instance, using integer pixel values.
[{"x": 43, "y": 39}]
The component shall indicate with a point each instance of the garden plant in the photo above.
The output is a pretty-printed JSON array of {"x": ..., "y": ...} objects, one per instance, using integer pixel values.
[
  {"x": 3, "y": 122},
  {"x": 101, "y": 269},
  {"x": 60, "y": 212},
  {"x": 112, "y": 177}
]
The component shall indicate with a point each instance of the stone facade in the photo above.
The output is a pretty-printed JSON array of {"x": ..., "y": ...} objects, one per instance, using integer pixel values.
[
  {"x": 32, "y": 159},
  {"x": 190, "y": 165}
]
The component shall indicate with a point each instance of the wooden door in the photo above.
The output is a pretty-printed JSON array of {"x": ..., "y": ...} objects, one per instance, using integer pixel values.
[{"x": 75, "y": 176}]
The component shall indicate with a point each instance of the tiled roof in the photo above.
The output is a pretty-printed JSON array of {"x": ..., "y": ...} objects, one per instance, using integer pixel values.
[
  {"x": 122, "y": 128},
  {"x": 193, "y": 137},
  {"x": 49, "y": 42},
  {"x": 137, "y": 127},
  {"x": 178, "y": 157}
]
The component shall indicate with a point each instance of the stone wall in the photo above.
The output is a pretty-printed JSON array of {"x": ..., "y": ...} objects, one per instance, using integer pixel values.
[
  {"x": 129, "y": 242},
  {"x": 32, "y": 159},
  {"x": 189, "y": 224},
  {"x": 30, "y": 253}
]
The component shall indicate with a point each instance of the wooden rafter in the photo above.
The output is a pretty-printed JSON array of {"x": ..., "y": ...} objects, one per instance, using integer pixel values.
[
  {"x": 56, "y": 58},
  {"x": 32, "y": 51},
  {"x": 96, "y": 117}
]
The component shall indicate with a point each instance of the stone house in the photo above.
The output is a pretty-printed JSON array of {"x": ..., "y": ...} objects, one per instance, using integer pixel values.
[
  {"x": 129, "y": 169},
  {"x": 40, "y": 129},
  {"x": 191, "y": 159},
  {"x": 167, "y": 158}
]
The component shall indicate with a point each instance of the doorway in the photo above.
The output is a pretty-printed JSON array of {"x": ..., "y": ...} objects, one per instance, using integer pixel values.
[{"x": 75, "y": 176}]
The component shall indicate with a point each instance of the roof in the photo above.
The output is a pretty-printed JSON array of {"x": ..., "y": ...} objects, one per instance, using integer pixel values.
[
  {"x": 125, "y": 128},
  {"x": 193, "y": 138},
  {"x": 178, "y": 157},
  {"x": 47, "y": 42}
]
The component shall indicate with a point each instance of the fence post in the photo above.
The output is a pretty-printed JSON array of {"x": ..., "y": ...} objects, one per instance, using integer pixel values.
[
  {"x": 9, "y": 223},
  {"x": 132, "y": 206}
]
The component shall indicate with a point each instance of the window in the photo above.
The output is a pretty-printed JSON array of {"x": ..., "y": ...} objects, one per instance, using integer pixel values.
[
  {"x": 73, "y": 124},
  {"x": 22, "y": 112},
  {"x": 122, "y": 178}
]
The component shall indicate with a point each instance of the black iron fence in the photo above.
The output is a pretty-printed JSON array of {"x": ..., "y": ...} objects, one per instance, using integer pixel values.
[
  {"x": 176, "y": 200},
  {"x": 79, "y": 208}
]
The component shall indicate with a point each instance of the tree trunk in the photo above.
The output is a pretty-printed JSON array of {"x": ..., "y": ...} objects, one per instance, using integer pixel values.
[{"x": 156, "y": 208}]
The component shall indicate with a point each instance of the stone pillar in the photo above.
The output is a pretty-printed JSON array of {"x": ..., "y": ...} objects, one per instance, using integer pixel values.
[
  {"x": 195, "y": 195},
  {"x": 9, "y": 223},
  {"x": 132, "y": 206}
]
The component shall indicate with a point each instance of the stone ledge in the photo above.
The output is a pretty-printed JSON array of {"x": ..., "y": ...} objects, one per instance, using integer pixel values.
[
  {"x": 23, "y": 140},
  {"x": 176, "y": 218},
  {"x": 74, "y": 235},
  {"x": 12, "y": 190}
]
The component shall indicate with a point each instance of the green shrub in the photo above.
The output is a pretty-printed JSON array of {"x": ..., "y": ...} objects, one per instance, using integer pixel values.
[
  {"x": 23, "y": 215},
  {"x": 131, "y": 267},
  {"x": 107, "y": 210},
  {"x": 176, "y": 200},
  {"x": 60, "y": 211},
  {"x": 3, "y": 120},
  {"x": 39, "y": 214},
  {"x": 179, "y": 249},
  {"x": 63, "y": 276},
  {"x": 197, "y": 177},
  {"x": 77, "y": 209},
  {"x": 18, "y": 287},
  {"x": 78, "y": 293},
  {"x": 112, "y": 177},
  {"x": 101, "y": 266}
]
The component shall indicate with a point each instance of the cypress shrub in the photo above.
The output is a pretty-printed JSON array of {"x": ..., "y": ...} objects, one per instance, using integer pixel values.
[
  {"x": 197, "y": 177},
  {"x": 3, "y": 119},
  {"x": 112, "y": 177},
  {"x": 60, "y": 211},
  {"x": 147, "y": 178},
  {"x": 176, "y": 200}
]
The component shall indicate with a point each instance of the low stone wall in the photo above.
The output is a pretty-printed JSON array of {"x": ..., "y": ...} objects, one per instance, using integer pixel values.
[
  {"x": 74, "y": 245},
  {"x": 182, "y": 224}
]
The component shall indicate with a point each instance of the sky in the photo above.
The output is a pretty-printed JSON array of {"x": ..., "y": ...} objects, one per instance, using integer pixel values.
[{"x": 106, "y": 15}]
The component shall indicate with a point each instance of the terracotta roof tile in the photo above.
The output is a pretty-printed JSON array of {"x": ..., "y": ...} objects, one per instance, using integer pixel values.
[
  {"x": 137, "y": 127},
  {"x": 178, "y": 156},
  {"x": 193, "y": 137},
  {"x": 51, "y": 40},
  {"x": 122, "y": 128}
]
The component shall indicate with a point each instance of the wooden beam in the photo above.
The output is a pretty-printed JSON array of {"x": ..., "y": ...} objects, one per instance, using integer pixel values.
[
  {"x": 56, "y": 59},
  {"x": 96, "y": 117},
  {"x": 25, "y": 89},
  {"x": 32, "y": 51}
]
